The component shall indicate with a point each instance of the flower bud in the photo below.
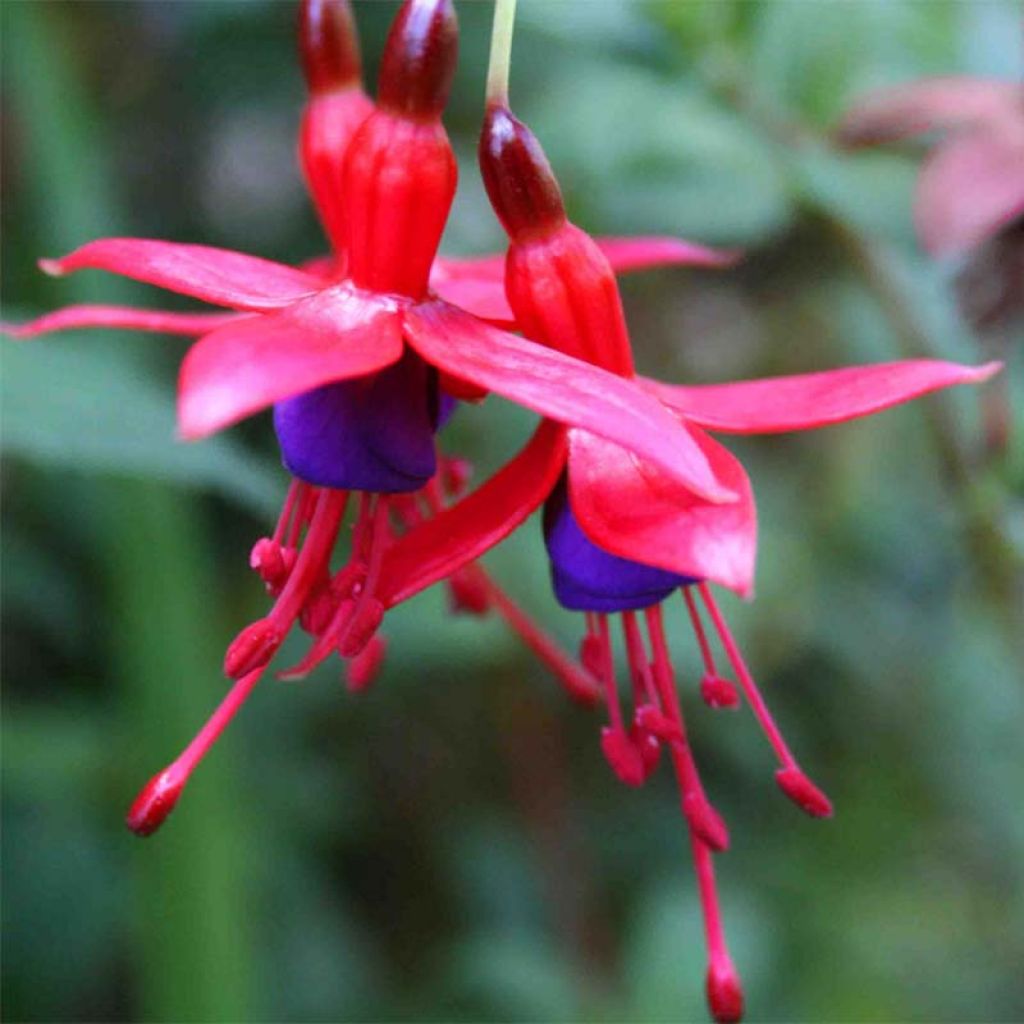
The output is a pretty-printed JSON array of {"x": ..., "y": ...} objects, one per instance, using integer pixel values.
[
  {"x": 419, "y": 60},
  {"x": 519, "y": 180},
  {"x": 328, "y": 45}
]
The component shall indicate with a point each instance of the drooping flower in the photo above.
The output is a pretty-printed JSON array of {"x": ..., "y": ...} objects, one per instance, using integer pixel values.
[
  {"x": 622, "y": 536},
  {"x": 971, "y": 186},
  {"x": 355, "y": 408}
]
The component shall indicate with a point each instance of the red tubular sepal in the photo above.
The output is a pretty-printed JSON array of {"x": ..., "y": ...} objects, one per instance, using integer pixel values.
[
  {"x": 519, "y": 181},
  {"x": 329, "y": 123},
  {"x": 419, "y": 60},
  {"x": 328, "y": 45},
  {"x": 398, "y": 185},
  {"x": 563, "y": 293}
]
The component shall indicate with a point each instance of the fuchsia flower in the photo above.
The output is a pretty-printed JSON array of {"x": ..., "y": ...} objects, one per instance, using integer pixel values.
[
  {"x": 972, "y": 185},
  {"x": 355, "y": 407},
  {"x": 623, "y": 535}
]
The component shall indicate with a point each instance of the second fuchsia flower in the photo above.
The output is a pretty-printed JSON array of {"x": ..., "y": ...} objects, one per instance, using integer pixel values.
[{"x": 622, "y": 536}]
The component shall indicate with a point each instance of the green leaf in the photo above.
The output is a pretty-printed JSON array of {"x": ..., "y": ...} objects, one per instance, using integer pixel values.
[{"x": 80, "y": 404}]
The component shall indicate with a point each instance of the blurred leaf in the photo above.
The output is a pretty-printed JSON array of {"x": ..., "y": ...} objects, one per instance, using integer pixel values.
[
  {"x": 79, "y": 406},
  {"x": 651, "y": 154}
]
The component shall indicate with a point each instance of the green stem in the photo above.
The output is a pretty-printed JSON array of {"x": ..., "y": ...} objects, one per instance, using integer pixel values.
[{"x": 501, "y": 52}]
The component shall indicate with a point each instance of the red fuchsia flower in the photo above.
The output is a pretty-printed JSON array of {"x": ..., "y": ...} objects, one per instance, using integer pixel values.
[
  {"x": 623, "y": 536},
  {"x": 972, "y": 185},
  {"x": 355, "y": 408}
]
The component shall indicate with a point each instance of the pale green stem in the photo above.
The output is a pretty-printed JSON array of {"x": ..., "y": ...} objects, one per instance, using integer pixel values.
[{"x": 501, "y": 51}]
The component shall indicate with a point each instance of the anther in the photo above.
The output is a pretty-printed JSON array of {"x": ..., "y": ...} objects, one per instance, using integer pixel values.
[
  {"x": 653, "y": 720},
  {"x": 705, "y": 821},
  {"x": 364, "y": 668},
  {"x": 469, "y": 591},
  {"x": 155, "y": 802},
  {"x": 623, "y": 756},
  {"x": 455, "y": 476},
  {"x": 719, "y": 693},
  {"x": 252, "y": 648},
  {"x": 804, "y": 793},
  {"x": 367, "y": 616},
  {"x": 725, "y": 992}
]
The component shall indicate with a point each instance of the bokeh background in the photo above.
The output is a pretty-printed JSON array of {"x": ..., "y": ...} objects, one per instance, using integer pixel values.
[{"x": 451, "y": 845}]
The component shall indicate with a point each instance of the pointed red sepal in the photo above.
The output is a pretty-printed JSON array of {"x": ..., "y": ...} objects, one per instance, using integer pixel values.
[
  {"x": 364, "y": 668},
  {"x": 252, "y": 648},
  {"x": 218, "y": 276},
  {"x": 623, "y": 756},
  {"x": 477, "y": 295},
  {"x": 74, "y": 318},
  {"x": 642, "y": 253},
  {"x": 634, "y": 510},
  {"x": 441, "y": 545},
  {"x": 328, "y": 45},
  {"x": 725, "y": 992},
  {"x": 719, "y": 693},
  {"x": 804, "y": 793},
  {"x": 970, "y": 188},
  {"x": 926, "y": 105},
  {"x": 562, "y": 388},
  {"x": 250, "y": 364},
  {"x": 777, "y": 404},
  {"x": 705, "y": 821},
  {"x": 155, "y": 802}
]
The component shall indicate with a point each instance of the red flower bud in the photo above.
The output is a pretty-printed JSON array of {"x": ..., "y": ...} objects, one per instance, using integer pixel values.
[
  {"x": 519, "y": 180},
  {"x": 328, "y": 45},
  {"x": 419, "y": 59}
]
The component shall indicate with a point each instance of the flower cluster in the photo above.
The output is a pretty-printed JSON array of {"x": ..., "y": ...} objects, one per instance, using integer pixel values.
[{"x": 364, "y": 354}]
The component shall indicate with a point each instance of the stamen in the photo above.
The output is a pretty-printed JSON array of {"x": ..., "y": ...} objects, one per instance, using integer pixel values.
[
  {"x": 701, "y": 816},
  {"x": 295, "y": 492},
  {"x": 716, "y": 691},
  {"x": 724, "y": 990},
  {"x": 159, "y": 796},
  {"x": 790, "y": 777},
  {"x": 468, "y": 591},
  {"x": 621, "y": 753},
  {"x": 363, "y": 669},
  {"x": 645, "y": 702},
  {"x": 579, "y": 683},
  {"x": 257, "y": 643}
]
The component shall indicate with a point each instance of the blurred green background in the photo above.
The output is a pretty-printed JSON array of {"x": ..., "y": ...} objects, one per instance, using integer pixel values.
[{"x": 451, "y": 845}]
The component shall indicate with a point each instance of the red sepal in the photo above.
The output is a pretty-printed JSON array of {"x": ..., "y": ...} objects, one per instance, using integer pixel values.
[
  {"x": 73, "y": 318},
  {"x": 776, "y": 404},
  {"x": 218, "y": 276},
  {"x": 440, "y": 546},
  {"x": 562, "y": 388},
  {"x": 256, "y": 361},
  {"x": 641, "y": 253},
  {"x": 632, "y": 509}
]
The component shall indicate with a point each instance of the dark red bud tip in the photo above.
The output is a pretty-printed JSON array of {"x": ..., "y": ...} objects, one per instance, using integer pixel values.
[
  {"x": 252, "y": 649},
  {"x": 706, "y": 822},
  {"x": 725, "y": 993},
  {"x": 719, "y": 693},
  {"x": 804, "y": 793},
  {"x": 154, "y": 803},
  {"x": 518, "y": 177},
  {"x": 418, "y": 66},
  {"x": 328, "y": 45}
]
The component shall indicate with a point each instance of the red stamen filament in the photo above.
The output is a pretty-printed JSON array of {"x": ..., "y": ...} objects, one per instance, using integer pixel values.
[
  {"x": 703, "y": 818},
  {"x": 158, "y": 797},
  {"x": 716, "y": 691},
  {"x": 725, "y": 995}
]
